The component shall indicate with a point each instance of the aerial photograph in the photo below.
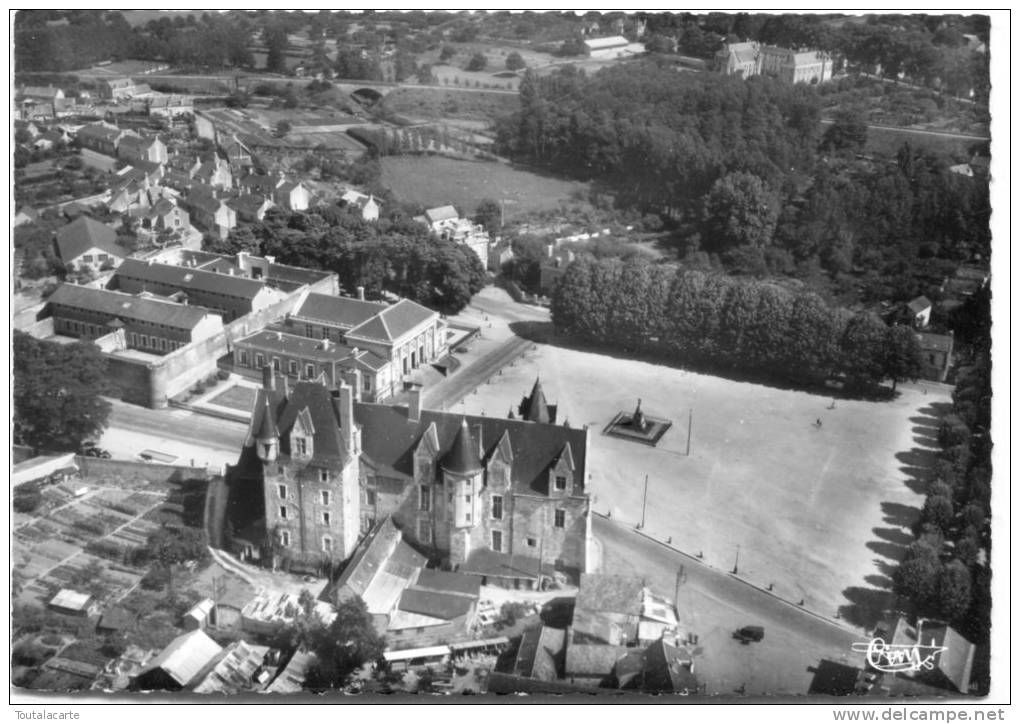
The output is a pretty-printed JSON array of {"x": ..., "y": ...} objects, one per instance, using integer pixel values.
[{"x": 526, "y": 356}]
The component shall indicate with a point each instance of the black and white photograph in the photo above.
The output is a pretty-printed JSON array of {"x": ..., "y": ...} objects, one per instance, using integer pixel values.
[{"x": 503, "y": 357}]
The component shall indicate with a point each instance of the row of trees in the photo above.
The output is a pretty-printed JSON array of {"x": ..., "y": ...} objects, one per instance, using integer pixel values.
[
  {"x": 733, "y": 323},
  {"x": 395, "y": 254},
  {"x": 946, "y": 572},
  {"x": 57, "y": 388}
]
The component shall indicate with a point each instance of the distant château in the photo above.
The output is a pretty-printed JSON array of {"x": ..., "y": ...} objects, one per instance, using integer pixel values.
[{"x": 751, "y": 58}]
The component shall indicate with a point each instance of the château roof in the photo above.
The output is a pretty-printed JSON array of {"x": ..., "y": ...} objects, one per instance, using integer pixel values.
[{"x": 462, "y": 459}]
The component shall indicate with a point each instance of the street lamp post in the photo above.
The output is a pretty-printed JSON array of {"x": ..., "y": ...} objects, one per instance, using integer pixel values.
[
  {"x": 644, "y": 503},
  {"x": 736, "y": 561}
]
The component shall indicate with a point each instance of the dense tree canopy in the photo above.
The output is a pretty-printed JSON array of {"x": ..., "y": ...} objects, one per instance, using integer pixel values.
[
  {"x": 727, "y": 322},
  {"x": 397, "y": 255},
  {"x": 57, "y": 388}
]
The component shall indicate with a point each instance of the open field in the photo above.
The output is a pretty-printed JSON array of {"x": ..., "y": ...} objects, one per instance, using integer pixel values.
[
  {"x": 821, "y": 513},
  {"x": 432, "y": 102},
  {"x": 435, "y": 181}
]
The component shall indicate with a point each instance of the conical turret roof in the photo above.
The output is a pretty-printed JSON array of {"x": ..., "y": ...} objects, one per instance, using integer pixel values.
[
  {"x": 267, "y": 425},
  {"x": 463, "y": 456},
  {"x": 538, "y": 408}
]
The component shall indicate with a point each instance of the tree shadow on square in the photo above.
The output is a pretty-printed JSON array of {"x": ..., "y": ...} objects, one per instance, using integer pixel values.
[
  {"x": 889, "y": 550},
  {"x": 883, "y": 582},
  {"x": 894, "y": 535},
  {"x": 904, "y": 516},
  {"x": 867, "y": 605}
]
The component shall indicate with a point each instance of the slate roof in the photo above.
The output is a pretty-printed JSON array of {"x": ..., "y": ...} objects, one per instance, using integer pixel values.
[
  {"x": 188, "y": 279},
  {"x": 98, "y": 131},
  {"x": 931, "y": 342},
  {"x": 116, "y": 619},
  {"x": 129, "y": 306},
  {"x": 262, "y": 182},
  {"x": 539, "y": 649},
  {"x": 83, "y": 234},
  {"x": 311, "y": 349},
  {"x": 436, "y": 604},
  {"x": 316, "y": 399},
  {"x": 436, "y": 580},
  {"x": 593, "y": 660},
  {"x": 462, "y": 458},
  {"x": 370, "y": 556},
  {"x": 487, "y": 562},
  {"x": 390, "y": 439},
  {"x": 338, "y": 311},
  {"x": 186, "y": 656},
  {"x": 393, "y": 322},
  {"x": 834, "y": 678},
  {"x": 248, "y": 203}
]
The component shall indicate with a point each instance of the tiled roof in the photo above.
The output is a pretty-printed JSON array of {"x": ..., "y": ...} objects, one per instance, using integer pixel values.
[
  {"x": 667, "y": 669},
  {"x": 83, "y": 234},
  {"x": 436, "y": 604},
  {"x": 919, "y": 305},
  {"x": 129, "y": 306},
  {"x": 394, "y": 322},
  {"x": 311, "y": 349},
  {"x": 593, "y": 659},
  {"x": 190, "y": 279},
  {"x": 338, "y": 311},
  {"x": 390, "y": 438}
]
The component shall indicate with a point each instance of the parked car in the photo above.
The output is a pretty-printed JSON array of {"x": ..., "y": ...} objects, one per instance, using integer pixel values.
[
  {"x": 749, "y": 634},
  {"x": 91, "y": 450}
]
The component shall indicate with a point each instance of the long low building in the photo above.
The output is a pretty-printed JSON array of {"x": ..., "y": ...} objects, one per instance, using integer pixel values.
[
  {"x": 149, "y": 324},
  {"x": 231, "y": 295}
]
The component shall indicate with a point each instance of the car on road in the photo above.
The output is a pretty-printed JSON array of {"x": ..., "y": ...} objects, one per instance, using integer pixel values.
[
  {"x": 91, "y": 450},
  {"x": 749, "y": 634}
]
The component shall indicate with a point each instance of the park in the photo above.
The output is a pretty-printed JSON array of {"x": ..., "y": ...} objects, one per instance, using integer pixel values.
[{"x": 799, "y": 493}]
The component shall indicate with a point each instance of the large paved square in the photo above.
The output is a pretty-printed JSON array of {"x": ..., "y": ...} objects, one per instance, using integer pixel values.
[{"x": 814, "y": 510}]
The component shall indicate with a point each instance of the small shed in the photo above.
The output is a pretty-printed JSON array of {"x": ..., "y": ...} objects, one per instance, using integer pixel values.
[
  {"x": 71, "y": 602},
  {"x": 116, "y": 619},
  {"x": 199, "y": 616}
]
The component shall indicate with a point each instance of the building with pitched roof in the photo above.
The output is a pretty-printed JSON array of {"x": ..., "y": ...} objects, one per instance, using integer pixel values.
[
  {"x": 367, "y": 205},
  {"x": 953, "y": 661},
  {"x": 171, "y": 106},
  {"x": 136, "y": 148},
  {"x": 211, "y": 213},
  {"x": 292, "y": 195},
  {"x": 230, "y": 295},
  {"x": 87, "y": 243},
  {"x": 752, "y": 58},
  {"x": 180, "y": 665},
  {"x": 446, "y": 223},
  {"x": 102, "y": 138},
  {"x": 149, "y": 324},
  {"x": 936, "y": 355},
  {"x": 243, "y": 668},
  {"x": 534, "y": 407},
  {"x": 303, "y": 446},
  {"x": 612, "y": 47},
  {"x": 371, "y": 345},
  {"x": 502, "y": 499},
  {"x": 541, "y": 654}
]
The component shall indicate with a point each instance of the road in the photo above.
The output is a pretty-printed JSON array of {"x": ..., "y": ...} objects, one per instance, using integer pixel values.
[
  {"x": 188, "y": 435},
  {"x": 918, "y": 131},
  {"x": 712, "y": 604},
  {"x": 448, "y": 392}
]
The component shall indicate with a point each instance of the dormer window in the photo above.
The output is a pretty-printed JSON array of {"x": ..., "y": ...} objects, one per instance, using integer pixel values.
[
  {"x": 300, "y": 446},
  {"x": 561, "y": 482}
]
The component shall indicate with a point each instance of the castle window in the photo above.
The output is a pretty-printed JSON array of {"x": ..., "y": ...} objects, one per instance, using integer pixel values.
[
  {"x": 424, "y": 498},
  {"x": 497, "y": 541},
  {"x": 309, "y": 330},
  {"x": 292, "y": 368},
  {"x": 285, "y": 538},
  {"x": 283, "y": 512},
  {"x": 309, "y": 371},
  {"x": 532, "y": 542},
  {"x": 260, "y": 360},
  {"x": 324, "y": 478},
  {"x": 276, "y": 364},
  {"x": 561, "y": 519},
  {"x": 326, "y": 518},
  {"x": 424, "y": 532},
  {"x": 327, "y": 544},
  {"x": 497, "y": 507},
  {"x": 300, "y": 446},
  {"x": 370, "y": 497},
  {"x": 561, "y": 482},
  {"x": 283, "y": 491},
  {"x": 325, "y": 496}
]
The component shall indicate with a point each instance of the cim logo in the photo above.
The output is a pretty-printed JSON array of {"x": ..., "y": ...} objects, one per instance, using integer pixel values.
[{"x": 890, "y": 658}]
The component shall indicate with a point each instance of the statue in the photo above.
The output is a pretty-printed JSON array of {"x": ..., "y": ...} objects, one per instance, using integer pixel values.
[{"x": 637, "y": 420}]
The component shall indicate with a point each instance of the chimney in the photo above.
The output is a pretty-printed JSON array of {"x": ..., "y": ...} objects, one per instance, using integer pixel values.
[
  {"x": 361, "y": 293},
  {"x": 325, "y": 344},
  {"x": 347, "y": 415},
  {"x": 270, "y": 259},
  {"x": 268, "y": 378},
  {"x": 549, "y": 249},
  {"x": 414, "y": 405}
]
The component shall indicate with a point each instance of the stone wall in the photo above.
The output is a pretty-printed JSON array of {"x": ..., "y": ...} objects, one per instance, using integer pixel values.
[{"x": 153, "y": 473}]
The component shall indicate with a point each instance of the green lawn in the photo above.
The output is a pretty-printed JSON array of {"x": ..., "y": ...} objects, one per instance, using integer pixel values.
[
  {"x": 236, "y": 398},
  {"x": 436, "y": 181}
]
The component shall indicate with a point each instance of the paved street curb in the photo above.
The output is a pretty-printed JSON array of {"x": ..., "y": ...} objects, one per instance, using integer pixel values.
[
  {"x": 203, "y": 410},
  {"x": 791, "y": 604}
]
